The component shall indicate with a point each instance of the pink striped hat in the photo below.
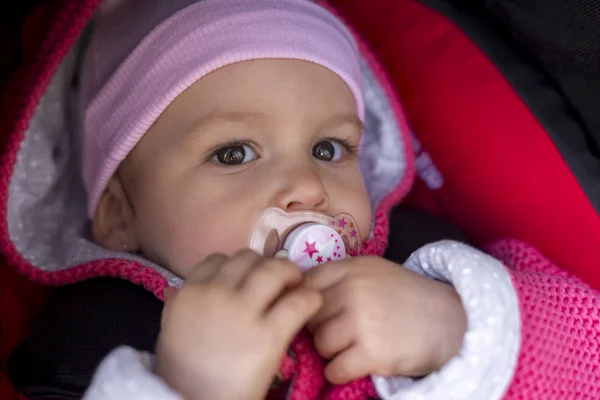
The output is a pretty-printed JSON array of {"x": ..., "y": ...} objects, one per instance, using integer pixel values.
[{"x": 143, "y": 54}]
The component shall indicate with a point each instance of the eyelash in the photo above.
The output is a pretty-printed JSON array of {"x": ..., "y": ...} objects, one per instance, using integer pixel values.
[
  {"x": 234, "y": 143},
  {"x": 349, "y": 147}
]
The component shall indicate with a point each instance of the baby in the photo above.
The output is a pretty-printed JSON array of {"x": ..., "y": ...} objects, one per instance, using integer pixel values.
[
  {"x": 205, "y": 114},
  {"x": 259, "y": 123}
]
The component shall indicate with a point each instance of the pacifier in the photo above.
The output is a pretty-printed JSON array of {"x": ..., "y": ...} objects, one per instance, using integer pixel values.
[{"x": 307, "y": 238}]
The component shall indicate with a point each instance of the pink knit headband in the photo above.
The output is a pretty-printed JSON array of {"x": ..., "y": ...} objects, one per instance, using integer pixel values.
[{"x": 188, "y": 45}]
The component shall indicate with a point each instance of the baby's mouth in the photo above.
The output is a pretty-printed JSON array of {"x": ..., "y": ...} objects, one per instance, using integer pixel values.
[{"x": 307, "y": 238}]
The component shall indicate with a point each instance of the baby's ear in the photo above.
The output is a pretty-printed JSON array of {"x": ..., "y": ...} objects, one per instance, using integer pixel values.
[{"x": 113, "y": 222}]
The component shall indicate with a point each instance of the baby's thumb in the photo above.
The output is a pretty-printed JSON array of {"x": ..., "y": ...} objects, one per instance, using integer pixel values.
[{"x": 347, "y": 366}]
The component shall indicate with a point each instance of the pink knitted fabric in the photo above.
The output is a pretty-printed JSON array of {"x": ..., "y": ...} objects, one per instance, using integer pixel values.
[
  {"x": 560, "y": 324},
  {"x": 559, "y": 357},
  {"x": 186, "y": 46},
  {"x": 303, "y": 371}
]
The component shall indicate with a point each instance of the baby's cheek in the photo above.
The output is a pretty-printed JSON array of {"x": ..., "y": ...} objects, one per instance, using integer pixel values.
[
  {"x": 363, "y": 216},
  {"x": 354, "y": 200},
  {"x": 184, "y": 248},
  {"x": 194, "y": 247}
]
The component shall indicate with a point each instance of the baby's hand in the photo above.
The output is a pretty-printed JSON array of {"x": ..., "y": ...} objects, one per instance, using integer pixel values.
[
  {"x": 379, "y": 318},
  {"x": 223, "y": 335}
]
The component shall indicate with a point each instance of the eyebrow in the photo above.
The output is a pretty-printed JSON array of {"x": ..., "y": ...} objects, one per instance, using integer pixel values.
[
  {"x": 341, "y": 120},
  {"x": 219, "y": 119},
  {"x": 260, "y": 118}
]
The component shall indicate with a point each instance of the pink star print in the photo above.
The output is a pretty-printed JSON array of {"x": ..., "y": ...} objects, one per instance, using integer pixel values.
[
  {"x": 310, "y": 249},
  {"x": 329, "y": 259},
  {"x": 342, "y": 223},
  {"x": 319, "y": 259},
  {"x": 353, "y": 233}
]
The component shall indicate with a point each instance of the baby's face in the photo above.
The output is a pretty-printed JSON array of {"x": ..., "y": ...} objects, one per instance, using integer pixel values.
[{"x": 257, "y": 134}]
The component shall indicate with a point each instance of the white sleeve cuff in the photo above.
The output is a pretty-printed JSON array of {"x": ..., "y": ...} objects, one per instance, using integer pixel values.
[
  {"x": 485, "y": 365},
  {"x": 126, "y": 374}
]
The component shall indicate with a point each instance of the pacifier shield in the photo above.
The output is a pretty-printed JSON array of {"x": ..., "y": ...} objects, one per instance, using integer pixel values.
[
  {"x": 303, "y": 234},
  {"x": 347, "y": 228},
  {"x": 313, "y": 244}
]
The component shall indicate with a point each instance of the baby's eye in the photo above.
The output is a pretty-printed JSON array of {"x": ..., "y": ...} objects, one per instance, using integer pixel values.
[
  {"x": 235, "y": 155},
  {"x": 328, "y": 150}
]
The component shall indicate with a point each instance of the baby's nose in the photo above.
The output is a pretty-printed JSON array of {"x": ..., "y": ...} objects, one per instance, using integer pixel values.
[{"x": 304, "y": 191}]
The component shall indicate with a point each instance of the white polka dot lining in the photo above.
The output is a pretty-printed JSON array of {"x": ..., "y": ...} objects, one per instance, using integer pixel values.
[
  {"x": 486, "y": 362},
  {"x": 126, "y": 374}
]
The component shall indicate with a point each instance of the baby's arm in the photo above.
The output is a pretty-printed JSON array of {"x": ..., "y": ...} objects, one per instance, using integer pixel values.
[
  {"x": 532, "y": 328},
  {"x": 485, "y": 364}
]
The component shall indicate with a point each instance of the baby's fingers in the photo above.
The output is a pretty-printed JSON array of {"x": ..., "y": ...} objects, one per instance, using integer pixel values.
[
  {"x": 232, "y": 273},
  {"x": 207, "y": 269},
  {"x": 269, "y": 280},
  {"x": 334, "y": 336},
  {"x": 326, "y": 275},
  {"x": 347, "y": 366},
  {"x": 291, "y": 312}
]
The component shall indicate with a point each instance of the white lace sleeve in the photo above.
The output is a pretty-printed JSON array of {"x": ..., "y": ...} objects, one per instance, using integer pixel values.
[
  {"x": 486, "y": 362},
  {"x": 126, "y": 374}
]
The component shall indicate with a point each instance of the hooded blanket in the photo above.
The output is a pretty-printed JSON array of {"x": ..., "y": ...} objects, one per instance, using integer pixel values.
[{"x": 532, "y": 327}]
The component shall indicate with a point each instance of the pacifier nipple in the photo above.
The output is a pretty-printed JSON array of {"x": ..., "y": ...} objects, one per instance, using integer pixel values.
[{"x": 306, "y": 238}]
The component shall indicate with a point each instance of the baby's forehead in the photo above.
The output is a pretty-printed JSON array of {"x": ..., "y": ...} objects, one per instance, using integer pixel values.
[
  {"x": 331, "y": 121},
  {"x": 180, "y": 41},
  {"x": 260, "y": 123}
]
